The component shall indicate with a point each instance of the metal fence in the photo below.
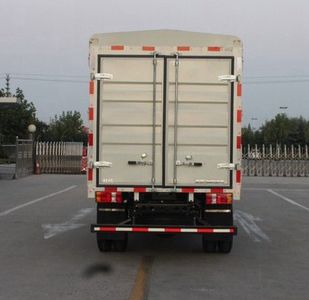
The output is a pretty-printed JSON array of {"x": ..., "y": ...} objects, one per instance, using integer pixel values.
[
  {"x": 279, "y": 160},
  {"x": 7, "y": 161},
  {"x": 66, "y": 157},
  {"x": 58, "y": 157},
  {"x": 24, "y": 158},
  {"x": 16, "y": 160}
]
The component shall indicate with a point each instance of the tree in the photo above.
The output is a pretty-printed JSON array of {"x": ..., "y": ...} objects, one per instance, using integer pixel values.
[
  {"x": 248, "y": 136},
  {"x": 14, "y": 120},
  {"x": 42, "y": 131},
  {"x": 277, "y": 130},
  {"x": 280, "y": 130},
  {"x": 67, "y": 127}
]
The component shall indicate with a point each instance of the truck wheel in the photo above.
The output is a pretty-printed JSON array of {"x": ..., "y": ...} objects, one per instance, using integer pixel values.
[
  {"x": 104, "y": 245},
  {"x": 225, "y": 246},
  {"x": 209, "y": 246},
  {"x": 120, "y": 245}
]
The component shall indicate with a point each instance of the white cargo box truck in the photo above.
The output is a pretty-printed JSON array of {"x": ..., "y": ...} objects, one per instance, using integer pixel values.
[{"x": 164, "y": 148}]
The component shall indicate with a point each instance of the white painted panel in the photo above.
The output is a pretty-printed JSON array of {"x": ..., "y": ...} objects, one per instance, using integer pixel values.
[
  {"x": 208, "y": 156},
  {"x": 129, "y": 113},
  {"x": 130, "y": 91},
  {"x": 203, "y": 123},
  {"x": 200, "y": 114},
  {"x": 130, "y": 69},
  {"x": 202, "y": 93},
  {"x": 126, "y": 121},
  {"x": 124, "y": 174},
  {"x": 200, "y": 136},
  {"x": 132, "y": 135},
  {"x": 200, "y": 70}
]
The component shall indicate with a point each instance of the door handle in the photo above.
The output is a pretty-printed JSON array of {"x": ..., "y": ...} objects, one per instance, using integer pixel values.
[
  {"x": 140, "y": 163},
  {"x": 188, "y": 163}
]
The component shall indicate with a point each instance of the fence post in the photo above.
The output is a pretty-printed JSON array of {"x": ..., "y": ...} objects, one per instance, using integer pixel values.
[{"x": 16, "y": 158}]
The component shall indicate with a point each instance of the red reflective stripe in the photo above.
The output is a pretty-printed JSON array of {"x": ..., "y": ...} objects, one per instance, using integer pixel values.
[
  {"x": 90, "y": 113},
  {"x": 110, "y": 189},
  {"x": 238, "y": 143},
  {"x": 139, "y": 190},
  {"x": 117, "y": 47},
  {"x": 90, "y": 174},
  {"x": 239, "y": 115},
  {"x": 172, "y": 230},
  {"x": 205, "y": 230},
  {"x": 214, "y": 48},
  {"x": 215, "y": 191},
  {"x": 139, "y": 229},
  {"x": 91, "y": 87},
  {"x": 187, "y": 190},
  {"x": 148, "y": 48},
  {"x": 238, "y": 176},
  {"x": 239, "y": 89},
  {"x": 108, "y": 229},
  {"x": 84, "y": 164},
  {"x": 90, "y": 139},
  {"x": 183, "y": 48}
]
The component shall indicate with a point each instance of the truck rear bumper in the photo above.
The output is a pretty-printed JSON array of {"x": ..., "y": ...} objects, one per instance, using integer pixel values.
[{"x": 222, "y": 230}]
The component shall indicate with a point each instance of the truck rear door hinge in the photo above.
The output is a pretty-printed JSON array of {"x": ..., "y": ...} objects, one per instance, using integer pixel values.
[
  {"x": 227, "y": 78},
  {"x": 101, "y": 76},
  {"x": 102, "y": 164},
  {"x": 228, "y": 166}
]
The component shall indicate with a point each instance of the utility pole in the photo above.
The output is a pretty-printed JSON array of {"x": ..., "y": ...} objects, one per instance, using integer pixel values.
[
  {"x": 7, "y": 85},
  {"x": 7, "y": 98}
]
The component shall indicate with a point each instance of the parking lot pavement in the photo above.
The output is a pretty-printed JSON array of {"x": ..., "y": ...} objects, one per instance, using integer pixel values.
[
  {"x": 7, "y": 171},
  {"x": 47, "y": 251}
]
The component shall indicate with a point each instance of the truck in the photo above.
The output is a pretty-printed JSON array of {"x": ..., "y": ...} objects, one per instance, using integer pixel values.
[{"x": 164, "y": 142}]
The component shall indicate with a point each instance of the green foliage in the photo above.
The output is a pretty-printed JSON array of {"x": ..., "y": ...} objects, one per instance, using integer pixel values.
[
  {"x": 41, "y": 133},
  {"x": 280, "y": 130},
  {"x": 66, "y": 127},
  {"x": 247, "y": 135},
  {"x": 15, "y": 119},
  {"x": 250, "y": 136},
  {"x": 276, "y": 130}
]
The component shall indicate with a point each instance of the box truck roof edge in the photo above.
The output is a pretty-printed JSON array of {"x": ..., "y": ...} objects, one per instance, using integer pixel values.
[{"x": 166, "y": 38}]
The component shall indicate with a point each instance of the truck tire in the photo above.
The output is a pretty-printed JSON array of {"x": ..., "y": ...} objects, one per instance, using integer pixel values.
[
  {"x": 225, "y": 246},
  {"x": 120, "y": 245},
  {"x": 209, "y": 246},
  {"x": 104, "y": 245}
]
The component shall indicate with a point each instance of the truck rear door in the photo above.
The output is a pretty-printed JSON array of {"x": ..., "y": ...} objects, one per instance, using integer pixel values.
[
  {"x": 181, "y": 95},
  {"x": 199, "y": 122},
  {"x": 129, "y": 139}
]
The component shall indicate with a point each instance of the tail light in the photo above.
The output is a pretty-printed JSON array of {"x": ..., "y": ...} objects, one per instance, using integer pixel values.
[
  {"x": 108, "y": 197},
  {"x": 219, "y": 198}
]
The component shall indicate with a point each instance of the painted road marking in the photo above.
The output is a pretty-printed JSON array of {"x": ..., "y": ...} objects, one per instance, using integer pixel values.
[
  {"x": 6, "y": 212},
  {"x": 51, "y": 230},
  {"x": 287, "y": 199},
  {"x": 141, "y": 285},
  {"x": 248, "y": 223},
  {"x": 278, "y": 189}
]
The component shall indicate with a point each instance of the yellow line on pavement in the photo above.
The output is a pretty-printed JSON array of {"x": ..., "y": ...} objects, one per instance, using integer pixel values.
[{"x": 140, "y": 288}]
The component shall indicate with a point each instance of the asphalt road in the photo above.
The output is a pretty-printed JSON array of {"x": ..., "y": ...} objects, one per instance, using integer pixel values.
[{"x": 47, "y": 251}]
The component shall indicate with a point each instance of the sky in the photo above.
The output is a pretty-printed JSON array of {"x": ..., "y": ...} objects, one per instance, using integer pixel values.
[{"x": 48, "y": 39}]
